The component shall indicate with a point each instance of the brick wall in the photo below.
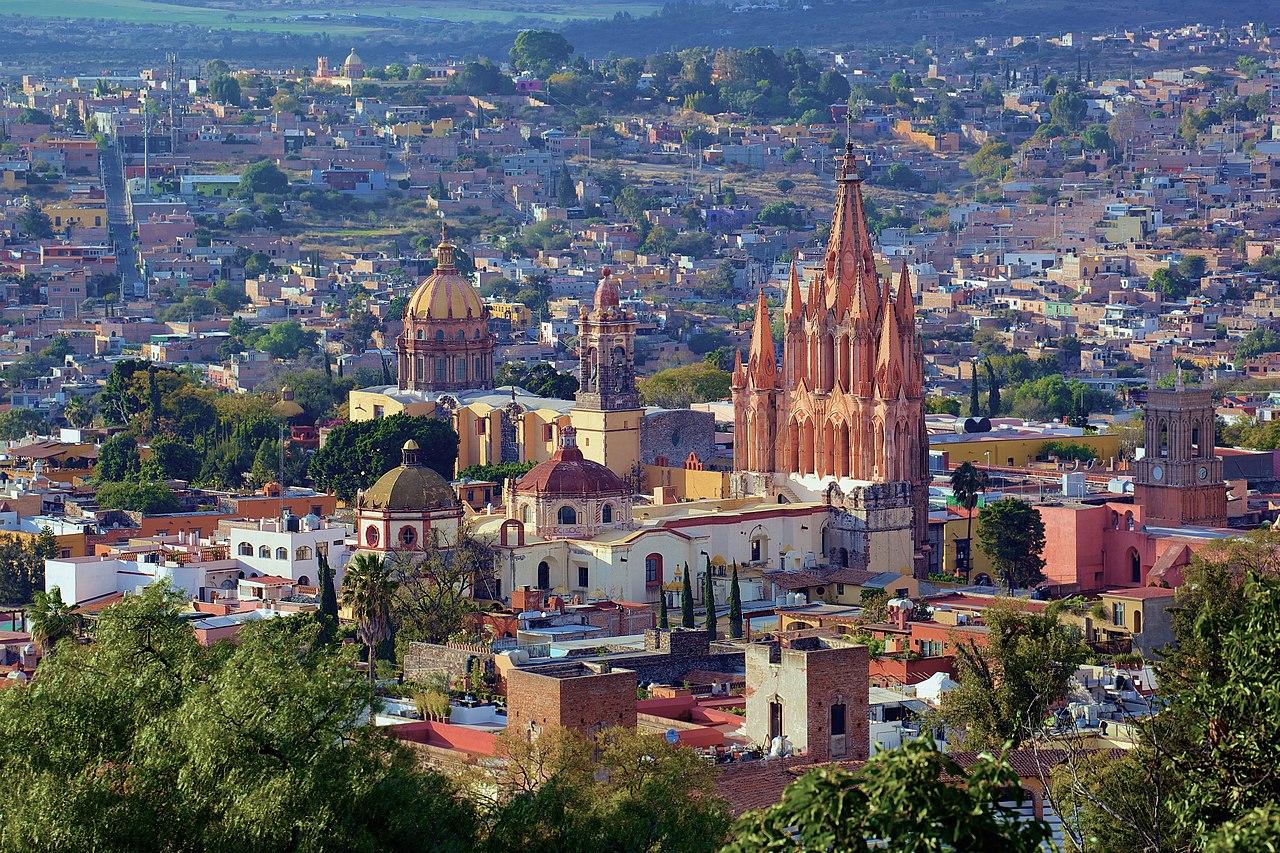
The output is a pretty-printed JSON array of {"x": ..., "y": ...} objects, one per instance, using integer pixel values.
[{"x": 570, "y": 696}]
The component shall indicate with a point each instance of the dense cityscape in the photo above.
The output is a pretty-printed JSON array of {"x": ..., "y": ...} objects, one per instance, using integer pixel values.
[{"x": 847, "y": 446}]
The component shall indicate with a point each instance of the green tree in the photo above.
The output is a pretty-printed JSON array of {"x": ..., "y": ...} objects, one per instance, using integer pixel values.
[
  {"x": 664, "y": 621},
  {"x": 175, "y": 458},
  {"x": 1011, "y": 534},
  {"x": 50, "y": 619},
  {"x": 1096, "y": 137},
  {"x": 479, "y": 78},
  {"x": 33, "y": 222},
  {"x": 262, "y": 176},
  {"x": 327, "y": 613},
  {"x": 163, "y": 762},
  {"x": 358, "y": 453},
  {"x": 735, "y": 606},
  {"x": 975, "y": 405},
  {"x": 229, "y": 295},
  {"x": 146, "y": 498},
  {"x": 623, "y": 789},
  {"x": 118, "y": 459},
  {"x": 79, "y": 412},
  {"x": 540, "y": 51},
  {"x": 1007, "y": 685},
  {"x": 18, "y": 423},
  {"x": 1067, "y": 110},
  {"x": 541, "y": 379},
  {"x": 677, "y": 387},
  {"x": 686, "y": 600},
  {"x": 991, "y": 160},
  {"x": 225, "y": 89},
  {"x": 968, "y": 482},
  {"x": 913, "y": 798},
  {"x": 368, "y": 589},
  {"x": 1200, "y": 775}
]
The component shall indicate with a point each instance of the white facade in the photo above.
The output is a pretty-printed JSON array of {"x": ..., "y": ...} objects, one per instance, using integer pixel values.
[{"x": 268, "y": 547}]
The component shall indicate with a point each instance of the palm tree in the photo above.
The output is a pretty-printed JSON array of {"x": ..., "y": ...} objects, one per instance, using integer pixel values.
[
  {"x": 51, "y": 619},
  {"x": 367, "y": 590},
  {"x": 967, "y": 482}
]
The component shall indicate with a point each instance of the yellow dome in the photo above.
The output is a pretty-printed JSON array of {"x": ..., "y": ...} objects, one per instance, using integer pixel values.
[{"x": 445, "y": 294}]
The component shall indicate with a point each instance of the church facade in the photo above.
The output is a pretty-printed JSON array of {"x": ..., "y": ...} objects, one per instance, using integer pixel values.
[{"x": 841, "y": 418}]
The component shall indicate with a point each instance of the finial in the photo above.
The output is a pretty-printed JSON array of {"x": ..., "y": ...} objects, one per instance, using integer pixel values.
[{"x": 1177, "y": 382}]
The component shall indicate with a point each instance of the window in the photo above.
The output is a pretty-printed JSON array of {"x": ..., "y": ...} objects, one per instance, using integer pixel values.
[
  {"x": 282, "y": 553},
  {"x": 524, "y": 513},
  {"x": 408, "y": 536},
  {"x": 1135, "y": 566},
  {"x": 838, "y": 719},
  {"x": 900, "y": 592},
  {"x": 1137, "y": 621},
  {"x": 755, "y": 550},
  {"x": 839, "y": 589},
  {"x": 303, "y": 553},
  {"x": 440, "y": 335},
  {"x": 371, "y": 536},
  {"x": 567, "y": 515},
  {"x": 582, "y": 577},
  {"x": 606, "y": 514},
  {"x": 460, "y": 369},
  {"x": 653, "y": 568},
  {"x": 930, "y": 648},
  {"x": 304, "y": 581},
  {"x": 439, "y": 362},
  {"x": 264, "y": 551},
  {"x": 245, "y": 549},
  {"x": 1117, "y": 614}
]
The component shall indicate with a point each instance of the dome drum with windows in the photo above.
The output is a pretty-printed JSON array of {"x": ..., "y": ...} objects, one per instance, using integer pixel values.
[
  {"x": 569, "y": 496},
  {"x": 445, "y": 345},
  {"x": 408, "y": 507}
]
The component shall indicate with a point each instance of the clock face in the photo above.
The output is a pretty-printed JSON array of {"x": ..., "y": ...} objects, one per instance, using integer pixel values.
[
  {"x": 1203, "y": 473},
  {"x": 1157, "y": 473}
]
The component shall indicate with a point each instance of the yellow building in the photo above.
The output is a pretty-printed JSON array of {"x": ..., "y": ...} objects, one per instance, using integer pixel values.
[
  {"x": 76, "y": 214},
  {"x": 482, "y": 419},
  {"x": 516, "y": 312},
  {"x": 1017, "y": 449}
]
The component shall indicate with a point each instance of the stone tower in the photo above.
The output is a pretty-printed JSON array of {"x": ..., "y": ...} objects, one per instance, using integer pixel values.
[
  {"x": 608, "y": 411},
  {"x": 1179, "y": 480}
]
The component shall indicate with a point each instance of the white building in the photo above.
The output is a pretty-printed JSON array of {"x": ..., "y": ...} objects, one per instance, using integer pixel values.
[{"x": 289, "y": 547}]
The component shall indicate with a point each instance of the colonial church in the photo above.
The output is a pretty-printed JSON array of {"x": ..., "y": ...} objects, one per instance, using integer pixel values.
[
  {"x": 842, "y": 418},
  {"x": 445, "y": 368}
]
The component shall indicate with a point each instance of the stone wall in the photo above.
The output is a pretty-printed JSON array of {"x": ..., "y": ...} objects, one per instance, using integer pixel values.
[
  {"x": 674, "y": 435},
  {"x": 422, "y": 660},
  {"x": 586, "y": 697}
]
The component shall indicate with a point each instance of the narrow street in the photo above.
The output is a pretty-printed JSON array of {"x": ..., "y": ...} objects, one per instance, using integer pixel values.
[{"x": 119, "y": 224}]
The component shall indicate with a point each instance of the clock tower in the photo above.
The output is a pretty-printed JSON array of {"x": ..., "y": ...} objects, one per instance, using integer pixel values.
[{"x": 1179, "y": 480}]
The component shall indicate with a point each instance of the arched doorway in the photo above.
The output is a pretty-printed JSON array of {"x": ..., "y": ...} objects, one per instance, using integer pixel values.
[
  {"x": 1135, "y": 566},
  {"x": 544, "y": 575}
]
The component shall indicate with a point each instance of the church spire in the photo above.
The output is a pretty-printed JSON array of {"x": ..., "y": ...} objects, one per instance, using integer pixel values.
[
  {"x": 850, "y": 264},
  {"x": 739, "y": 374},
  {"x": 795, "y": 303},
  {"x": 762, "y": 361}
]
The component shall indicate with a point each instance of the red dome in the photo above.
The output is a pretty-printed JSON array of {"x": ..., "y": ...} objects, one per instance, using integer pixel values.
[
  {"x": 568, "y": 474},
  {"x": 607, "y": 293}
]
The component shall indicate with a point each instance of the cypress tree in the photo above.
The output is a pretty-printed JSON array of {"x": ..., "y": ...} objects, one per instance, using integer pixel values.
[
  {"x": 974, "y": 410},
  {"x": 993, "y": 392},
  {"x": 327, "y": 615},
  {"x": 709, "y": 602},
  {"x": 663, "y": 622},
  {"x": 735, "y": 606},
  {"x": 686, "y": 600}
]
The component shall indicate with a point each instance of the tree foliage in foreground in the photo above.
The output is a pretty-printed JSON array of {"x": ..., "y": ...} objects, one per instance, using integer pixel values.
[
  {"x": 1008, "y": 683},
  {"x": 905, "y": 799},
  {"x": 144, "y": 740},
  {"x": 1202, "y": 776}
]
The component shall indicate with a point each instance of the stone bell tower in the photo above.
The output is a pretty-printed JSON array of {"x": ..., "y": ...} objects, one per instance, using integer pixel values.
[{"x": 608, "y": 411}]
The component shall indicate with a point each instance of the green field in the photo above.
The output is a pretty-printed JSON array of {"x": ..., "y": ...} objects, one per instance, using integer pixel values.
[{"x": 332, "y": 17}]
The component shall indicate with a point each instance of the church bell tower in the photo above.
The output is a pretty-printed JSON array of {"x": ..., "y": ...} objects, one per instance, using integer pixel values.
[
  {"x": 608, "y": 411},
  {"x": 1179, "y": 480}
]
